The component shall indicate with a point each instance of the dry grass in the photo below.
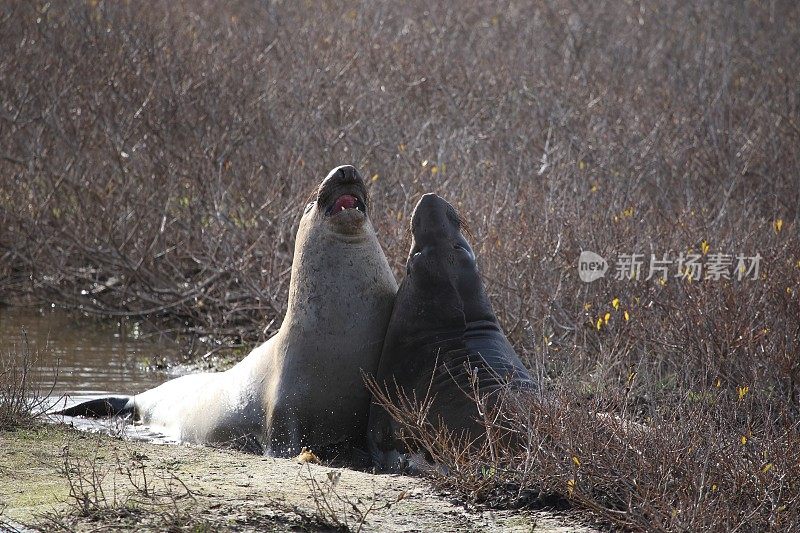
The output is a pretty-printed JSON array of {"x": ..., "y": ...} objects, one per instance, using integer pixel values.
[
  {"x": 335, "y": 509},
  {"x": 155, "y": 161},
  {"x": 116, "y": 486},
  {"x": 113, "y": 485},
  {"x": 714, "y": 463}
]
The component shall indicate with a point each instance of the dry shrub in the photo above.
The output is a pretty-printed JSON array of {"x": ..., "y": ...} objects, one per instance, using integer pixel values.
[
  {"x": 155, "y": 161},
  {"x": 714, "y": 462},
  {"x": 115, "y": 484},
  {"x": 335, "y": 509},
  {"x": 23, "y": 397}
]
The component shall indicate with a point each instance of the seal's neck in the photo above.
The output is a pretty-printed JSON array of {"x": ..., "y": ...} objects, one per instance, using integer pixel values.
[
  {"x": 336, "y": 280},
  {"x": 445, "y": 339}
]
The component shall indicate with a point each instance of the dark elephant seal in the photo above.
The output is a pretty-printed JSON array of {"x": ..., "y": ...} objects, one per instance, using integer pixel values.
[
  {"x": 443, "y": 335},
  {"x": 303, "y": 386}
]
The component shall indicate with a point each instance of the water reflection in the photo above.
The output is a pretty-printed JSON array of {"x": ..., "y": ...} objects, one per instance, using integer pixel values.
[{"x": 92, "y": 356}]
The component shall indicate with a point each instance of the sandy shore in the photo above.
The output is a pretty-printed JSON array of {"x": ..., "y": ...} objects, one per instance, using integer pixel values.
[{"x": 126, "y": 485}]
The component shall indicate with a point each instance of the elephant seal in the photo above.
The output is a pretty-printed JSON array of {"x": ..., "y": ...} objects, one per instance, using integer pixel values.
[
  {"x": 302, "y": 387},
  {"x": 443, "y": 336}
]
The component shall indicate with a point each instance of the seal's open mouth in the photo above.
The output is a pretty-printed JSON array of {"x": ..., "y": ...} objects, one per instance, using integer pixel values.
[{"x": 345, "y": 202}]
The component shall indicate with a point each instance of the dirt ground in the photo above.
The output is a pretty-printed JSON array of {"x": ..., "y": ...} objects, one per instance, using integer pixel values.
[{"x": 121, "y": 485}]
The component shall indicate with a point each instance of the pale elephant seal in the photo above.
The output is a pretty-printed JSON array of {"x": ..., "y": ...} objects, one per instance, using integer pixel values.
[
  {"x": 303, "y": 387},
  {"x": 442, "y": 333}
]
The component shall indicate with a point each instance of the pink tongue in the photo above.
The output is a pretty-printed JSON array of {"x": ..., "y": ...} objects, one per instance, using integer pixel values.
[{"x": 345, "y": 201}]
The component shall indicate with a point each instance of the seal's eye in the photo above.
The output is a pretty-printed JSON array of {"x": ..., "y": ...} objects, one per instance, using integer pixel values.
[
  {"x": 309, "y": 206},
  {"x": 410, "y": 260},
  {"x": 468, "y": 253}
]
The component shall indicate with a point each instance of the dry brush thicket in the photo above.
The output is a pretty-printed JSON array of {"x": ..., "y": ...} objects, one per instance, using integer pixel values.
[{"x": 154, "y": 160}]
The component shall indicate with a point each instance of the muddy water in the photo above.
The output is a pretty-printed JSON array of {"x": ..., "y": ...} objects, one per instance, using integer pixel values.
[{"x": 90, "y": 356}]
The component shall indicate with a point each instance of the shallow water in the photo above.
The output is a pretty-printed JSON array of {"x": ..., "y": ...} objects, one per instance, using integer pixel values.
[
  {"x": 90, "y": 356},
  {"x": 75, "y": 358}
]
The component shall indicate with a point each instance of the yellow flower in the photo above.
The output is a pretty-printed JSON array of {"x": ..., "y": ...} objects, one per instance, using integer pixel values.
[
  {"x": 375, "y": 177},
  {"x": 434, "y": 169},
  {"x": 662, "y": 281},
  {"x": 718, "y": 383},
  {"x": 766, "y": 468},
  {"x": 743, "y": 440},
  {"x": 570, "y": 487},
  {"x": 607, "y": 317},
  {"x": 594, "y": 187},
  {"x": 576, "y": 460},
  {"x": 599, "y": 323},
  {"x": 778, "y": 225},
  {"x": 581, "y": 165},
  {"x": 626, "y": 315},
  {"x": 704, "y": 246},
  {"x": 713, "y": 487},
  {"x": 615, "y": 303},
  {"x": 742, "y": 391}
]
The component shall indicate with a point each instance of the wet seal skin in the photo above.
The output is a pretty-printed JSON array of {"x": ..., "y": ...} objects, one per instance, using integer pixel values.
[
  {"x": 443, "y": 334},
  {"x": 302, "y": 387}
]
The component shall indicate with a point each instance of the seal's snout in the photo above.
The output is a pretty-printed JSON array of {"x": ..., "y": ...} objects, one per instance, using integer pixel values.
[
  {"x": 431, "y": 199},
  {"x": 435, "y": 217},
  {"x": 343, "y": 176},
  {"x": 345, "y": 173},
  {"x": 432, "y": 202},
  {"x": 343, "y": 190},
  {"x": 436, "y": 228}
]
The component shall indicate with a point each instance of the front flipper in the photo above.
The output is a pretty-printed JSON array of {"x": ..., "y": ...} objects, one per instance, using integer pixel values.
[{"x": 101, "y": 407}]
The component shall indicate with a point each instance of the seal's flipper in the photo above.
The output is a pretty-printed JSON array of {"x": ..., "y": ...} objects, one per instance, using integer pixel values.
[{"x": 101, "y": 407}]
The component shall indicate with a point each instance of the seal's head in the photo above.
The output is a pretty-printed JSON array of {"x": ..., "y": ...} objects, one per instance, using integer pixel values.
[
  {"x": 340, "y": 202},
  {"x": 437, "y": 233},
  {"x": 441, "y": 270},
  {"x": 336, "y": 251}
]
